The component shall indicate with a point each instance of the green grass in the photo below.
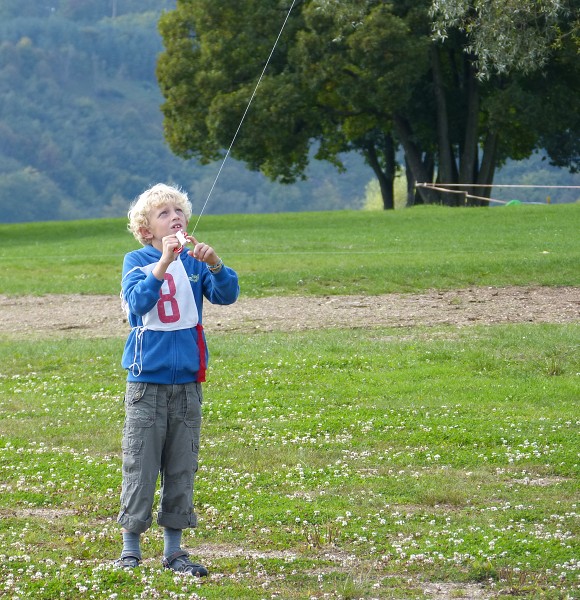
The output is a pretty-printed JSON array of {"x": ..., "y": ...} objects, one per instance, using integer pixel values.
[
  {"x": 365, "y": 463},
  {"x": 423, "y": 455},
  {"x": 319, "y": 253}
]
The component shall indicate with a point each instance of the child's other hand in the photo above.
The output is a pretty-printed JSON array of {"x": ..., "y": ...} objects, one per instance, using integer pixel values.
[{"x": 203, "y": 252}]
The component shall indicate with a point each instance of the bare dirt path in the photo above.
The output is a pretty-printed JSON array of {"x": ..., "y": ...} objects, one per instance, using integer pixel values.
[{"x": 101, "y": 316}]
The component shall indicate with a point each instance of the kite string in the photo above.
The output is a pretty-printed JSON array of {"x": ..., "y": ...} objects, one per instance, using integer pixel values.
[{"x": 244, "y": 116}]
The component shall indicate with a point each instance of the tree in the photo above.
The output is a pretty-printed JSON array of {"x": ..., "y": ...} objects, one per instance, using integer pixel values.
[
  {"x": 537, "y": 38},
  {"x": 359, "y": 74},
  {"x": 509, "y": 35}
]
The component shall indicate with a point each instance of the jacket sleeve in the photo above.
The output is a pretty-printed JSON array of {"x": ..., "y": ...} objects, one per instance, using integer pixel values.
[
  {"x": 140, "y": 288},
  {"x": 221, "y": 288}
]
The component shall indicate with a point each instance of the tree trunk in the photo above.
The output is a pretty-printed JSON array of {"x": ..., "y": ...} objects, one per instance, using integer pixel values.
[
  {"x": 446, "y": 160},
  {"x": 390, "y": 172},
  {"x": 385, "y": 176},
  {"x": 488, "y": 162},
  {"x": 410, "y": 184},
  {"x": 469, "y": 155},
  {"x": 413, "y": 158}
]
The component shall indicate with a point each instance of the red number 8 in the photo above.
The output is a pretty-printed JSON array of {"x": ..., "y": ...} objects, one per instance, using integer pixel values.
[{"x": 164, "y": 299}]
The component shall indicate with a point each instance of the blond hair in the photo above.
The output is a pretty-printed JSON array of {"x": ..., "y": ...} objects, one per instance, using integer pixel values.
[{"x": 155, "y": 196}]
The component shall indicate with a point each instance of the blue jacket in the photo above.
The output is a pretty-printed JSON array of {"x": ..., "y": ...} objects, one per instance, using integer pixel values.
[{"x": 168, "y": 357}]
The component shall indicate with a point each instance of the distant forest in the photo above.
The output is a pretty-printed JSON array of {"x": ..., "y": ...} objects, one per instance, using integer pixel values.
[{"x": 81, "y": 132}]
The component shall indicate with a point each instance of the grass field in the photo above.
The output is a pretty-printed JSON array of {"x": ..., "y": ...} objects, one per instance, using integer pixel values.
[
  {"x": 319, "y": 253},
  {"x": 424, "y": 462}
]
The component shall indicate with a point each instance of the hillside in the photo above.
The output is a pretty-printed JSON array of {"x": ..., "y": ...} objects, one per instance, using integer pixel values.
[{"x": 81, "y": 132}]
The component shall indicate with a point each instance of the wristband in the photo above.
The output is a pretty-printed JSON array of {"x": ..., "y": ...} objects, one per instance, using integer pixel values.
[{"x": 217, "y": 267}]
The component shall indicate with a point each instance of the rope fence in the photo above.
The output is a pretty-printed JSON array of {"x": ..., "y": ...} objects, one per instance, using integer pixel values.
[{"x": 447, "y": 188}]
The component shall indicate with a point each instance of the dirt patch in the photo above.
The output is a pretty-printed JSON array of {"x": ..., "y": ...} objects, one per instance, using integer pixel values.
[{"x": 101, "y": 316}]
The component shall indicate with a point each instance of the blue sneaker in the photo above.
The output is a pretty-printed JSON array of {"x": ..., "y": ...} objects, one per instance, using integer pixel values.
[
  {"x": 127, "y": 562},
  {"x": 180, "y": 563}
]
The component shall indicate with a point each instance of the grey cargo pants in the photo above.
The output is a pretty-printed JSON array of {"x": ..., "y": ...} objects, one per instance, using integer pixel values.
[{"x": 160, "y": 437}]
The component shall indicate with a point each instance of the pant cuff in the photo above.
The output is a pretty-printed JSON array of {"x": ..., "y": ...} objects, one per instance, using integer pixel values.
[
  {"x": 174, "y": 521},
  {"x": 132, "y": 524}
]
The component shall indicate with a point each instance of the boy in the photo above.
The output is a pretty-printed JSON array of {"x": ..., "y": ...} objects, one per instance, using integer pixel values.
[{"x": 165, "y": 356}]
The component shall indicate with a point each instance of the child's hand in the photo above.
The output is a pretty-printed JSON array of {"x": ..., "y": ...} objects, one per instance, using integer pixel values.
[
  {"x": 170, "y": 247},
  {"x": 169, "y": 244},
  {"x": 203, "y": 252}
]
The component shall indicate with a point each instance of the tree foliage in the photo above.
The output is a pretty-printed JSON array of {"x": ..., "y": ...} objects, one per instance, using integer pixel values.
[
  {"x": 509, "y": 35},
  {"x": 362, "y": 75}
]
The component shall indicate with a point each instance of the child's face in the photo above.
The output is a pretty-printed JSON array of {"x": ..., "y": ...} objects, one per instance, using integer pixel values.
[{"x": 164, "y": 220}]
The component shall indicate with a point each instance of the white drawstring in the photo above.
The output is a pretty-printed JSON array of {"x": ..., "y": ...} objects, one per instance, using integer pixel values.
[{"x": 137, "y": 366}]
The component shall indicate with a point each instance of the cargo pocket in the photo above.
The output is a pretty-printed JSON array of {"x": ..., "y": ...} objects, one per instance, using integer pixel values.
[
  {"x": 131, "y": 447},
  {"x": 192, "y": 416},
  {"x": 192, "y": 419},
  {"x": 140, "y": 404}
]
